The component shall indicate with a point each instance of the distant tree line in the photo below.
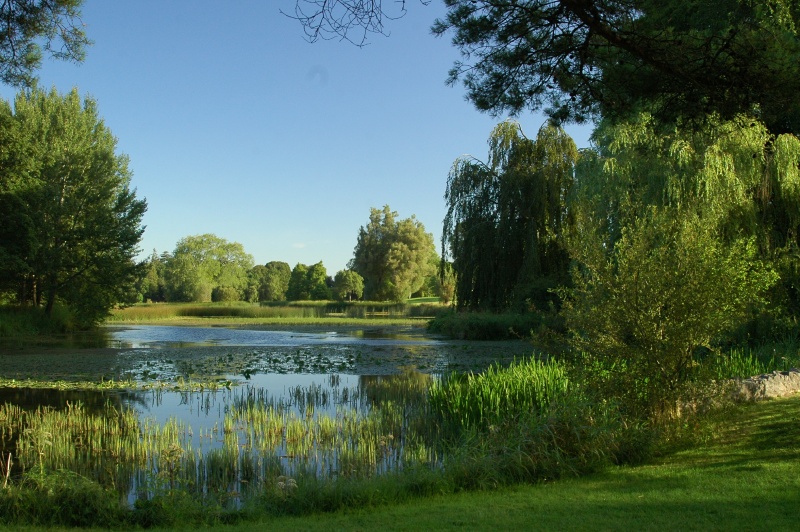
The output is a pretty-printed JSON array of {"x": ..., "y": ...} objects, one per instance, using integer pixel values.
[{"x": 393, "y": 260}]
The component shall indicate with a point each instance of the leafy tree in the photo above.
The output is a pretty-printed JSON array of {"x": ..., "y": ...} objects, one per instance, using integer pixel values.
[
  {"x": 744, "y": 181},
  {"x": 348, "y": 285},
  {"x": 392, "y": 256},
  {"x": 24, "y": 24},
  {"x": 506, "y": 219},
  {"x": 202, "y": 263},
  {"x": 276, "y": 281},
  {"x": 65, "y": 175},
  {"x": 152, "y": 286},
  {"x": 447, "y": 282},
  {"x": 643, "y": 305},
  {"x": 584, "y": 58},
  {"x": 318, "y": 282},
  {"x": 298, "y": 289},
  {"x": 16, "y": 243},
  {"x": 308, "y": 282}
]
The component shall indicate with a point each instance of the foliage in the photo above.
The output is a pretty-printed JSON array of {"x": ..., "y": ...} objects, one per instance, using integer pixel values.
[
  {"x": 506, "y": 219},
  {"x": 740, "y": 476},
  {"x": 16, "y": 240},
  {"x": 393, "y": 256},
  {"x": 743, "y": 181},
  {"x": 152, "y": 287},
  {"x": 62, "y": 168},
  {"x": 644, "y": 304},
  {"x": 348, "y": 285},
  {"x": 308, "y": 283},
  {"x": 22, "y": 321},
  {"x": 25, "y": 24},
  {"x": 202, "y": 263},
  {"x": 271, "y": 280},
  {"x": 583, "y": 59}
]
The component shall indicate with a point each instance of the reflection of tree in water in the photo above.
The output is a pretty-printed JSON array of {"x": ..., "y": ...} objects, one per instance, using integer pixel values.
[
  {"x": 408, "y": 387},
  {"x": 94, "y": 401}
]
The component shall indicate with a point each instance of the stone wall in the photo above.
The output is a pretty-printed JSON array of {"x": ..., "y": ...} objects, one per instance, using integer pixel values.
[{"x": 769, "y": 385}]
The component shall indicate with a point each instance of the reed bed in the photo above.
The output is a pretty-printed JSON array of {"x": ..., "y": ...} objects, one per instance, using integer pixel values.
[
  {"x": 313, "y": 441},
  {"x": 499, "y": 394},
  {"x": 278, "y": 312},
  {"x": 347, "y": 433}
]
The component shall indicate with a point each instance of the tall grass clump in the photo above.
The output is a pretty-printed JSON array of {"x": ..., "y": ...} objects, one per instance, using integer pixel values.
[
  {"x": 523, "y": 423},
  {"x": 498, "y": 394}
]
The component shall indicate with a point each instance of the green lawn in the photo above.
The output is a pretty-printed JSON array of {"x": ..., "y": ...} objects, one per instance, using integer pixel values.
[{"x": 748, "y": 478}]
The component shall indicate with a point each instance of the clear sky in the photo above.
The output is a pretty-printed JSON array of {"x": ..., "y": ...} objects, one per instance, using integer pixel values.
[{"x": 235, "y": 125}]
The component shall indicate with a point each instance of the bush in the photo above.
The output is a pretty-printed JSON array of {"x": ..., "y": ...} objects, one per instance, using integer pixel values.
[
  {"x": 225, "y": 294},
  {"x": 668, "y": 286},
  {"x": 18, "y": 321}
]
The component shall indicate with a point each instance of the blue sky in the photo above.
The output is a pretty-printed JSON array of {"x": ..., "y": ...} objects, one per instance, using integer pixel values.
[{"x": 235, "y": 125}]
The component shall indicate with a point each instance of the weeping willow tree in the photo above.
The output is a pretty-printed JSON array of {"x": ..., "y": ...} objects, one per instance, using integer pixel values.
[
  {"x": 506, "y": 217},
  {"x": 738, "y": 177}
]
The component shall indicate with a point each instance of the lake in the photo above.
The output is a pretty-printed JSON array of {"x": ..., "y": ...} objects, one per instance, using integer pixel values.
[{"x": 291, "y": 402}]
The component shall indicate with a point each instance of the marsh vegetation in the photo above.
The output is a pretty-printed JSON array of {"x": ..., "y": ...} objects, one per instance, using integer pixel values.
[{"x": 217, "y": 424}]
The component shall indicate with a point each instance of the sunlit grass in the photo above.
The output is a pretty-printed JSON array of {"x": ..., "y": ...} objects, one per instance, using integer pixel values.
[{"x": 302, "y": 312}]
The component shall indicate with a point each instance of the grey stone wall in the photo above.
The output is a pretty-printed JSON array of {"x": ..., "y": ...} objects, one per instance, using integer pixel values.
[{"x": 769, "y": 385}]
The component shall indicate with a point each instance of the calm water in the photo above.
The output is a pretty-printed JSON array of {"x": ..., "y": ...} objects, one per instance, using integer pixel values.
[
  {"x": 274, "y": 362},
  {"x": 304, "y": 374}
]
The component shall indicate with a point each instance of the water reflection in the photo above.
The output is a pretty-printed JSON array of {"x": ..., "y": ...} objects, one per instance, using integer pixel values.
[
  {"x": 228, "y": 440},
  {"x": 333, "y": 403},
  {"x": 154, "y": 353}
]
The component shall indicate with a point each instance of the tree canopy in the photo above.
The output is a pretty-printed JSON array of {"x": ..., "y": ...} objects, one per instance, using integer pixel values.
[
  {"x": 308, "y": 283},
  {"x": 392, "y": 256},
  {"x": 583, "y": 59},
  {"x": 271, "y": 280},
  {"x": 202, "y": 264},
  {"x": 29, "y": 27},
  {"x": 347, "y": 284},
  {"x": 67, "y": 194}
]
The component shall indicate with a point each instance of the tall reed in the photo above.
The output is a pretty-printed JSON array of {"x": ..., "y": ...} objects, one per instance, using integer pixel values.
[{"x": 497, "y": 395}]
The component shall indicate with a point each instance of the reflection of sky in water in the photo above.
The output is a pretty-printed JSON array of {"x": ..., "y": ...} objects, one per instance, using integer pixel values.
[
  {"x": 174, "y": 336},
  {"x": 150, "y": 354},
  {"x": 199, "y": 407}
]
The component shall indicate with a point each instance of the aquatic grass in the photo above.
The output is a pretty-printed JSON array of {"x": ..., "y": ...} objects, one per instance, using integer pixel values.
[
  {"x": 304, "y": 312},
  {"x": 500, "y": 393}
]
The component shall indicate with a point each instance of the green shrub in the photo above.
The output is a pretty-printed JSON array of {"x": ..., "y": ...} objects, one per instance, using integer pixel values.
[
  {"x": 16, "y": 321},
  {"x": 645, "y": 303}
]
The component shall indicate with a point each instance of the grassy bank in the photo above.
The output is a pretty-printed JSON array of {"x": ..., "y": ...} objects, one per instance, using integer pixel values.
[{"x": 745, "y": 477}]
